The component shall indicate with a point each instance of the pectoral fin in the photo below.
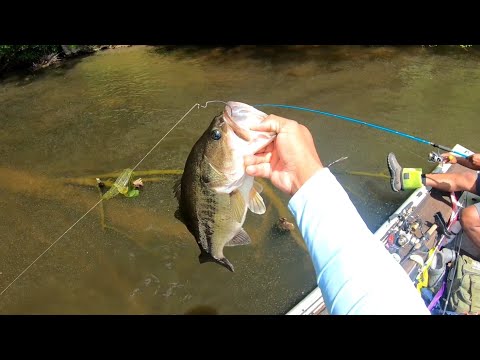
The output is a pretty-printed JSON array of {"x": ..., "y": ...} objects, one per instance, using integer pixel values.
[
  {"x": 258, "y": 187},
  {"x": 256, "y": 204},
  {"x": 237, "y": 204},
  {"x": 241, "y": 238}
]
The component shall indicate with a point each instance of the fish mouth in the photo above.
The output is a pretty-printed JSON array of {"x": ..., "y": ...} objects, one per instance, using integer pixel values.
[
  {"x": 257, "y": 142},
  {"x": 238, "y": 130}
]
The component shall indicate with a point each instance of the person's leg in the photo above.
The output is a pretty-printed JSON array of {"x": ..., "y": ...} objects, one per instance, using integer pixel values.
[
  {"x": 470, "y": 220},
  {"x": 453, "y": 182},
  {"x": 412, "y": 178}
]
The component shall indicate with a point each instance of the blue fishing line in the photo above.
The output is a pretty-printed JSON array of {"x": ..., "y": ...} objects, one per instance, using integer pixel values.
[{"x": 382, "y": 128}]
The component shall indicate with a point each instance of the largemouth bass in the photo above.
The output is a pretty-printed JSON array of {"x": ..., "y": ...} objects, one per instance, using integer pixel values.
[{"x": 214, "y": 192}]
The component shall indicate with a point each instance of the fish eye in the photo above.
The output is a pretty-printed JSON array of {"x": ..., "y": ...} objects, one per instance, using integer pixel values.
[{"x": 216, "y": 134}]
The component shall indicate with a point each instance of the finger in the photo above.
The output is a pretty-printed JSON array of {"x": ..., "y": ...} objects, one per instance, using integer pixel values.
[
  {"x": 261, "y": 170},
  {"x": 257, "y": 159},
  {"x": 271, "y": 123},
  {"x": 266, "y": 149}
]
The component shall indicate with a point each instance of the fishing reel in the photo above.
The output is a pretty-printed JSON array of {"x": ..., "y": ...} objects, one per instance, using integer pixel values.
[
  {"x": 403, "y": 238},
  {"x": 435, "y": 157}
]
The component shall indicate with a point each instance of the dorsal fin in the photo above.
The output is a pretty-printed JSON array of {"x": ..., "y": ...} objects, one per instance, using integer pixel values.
[{"x": 177, "y": 188}]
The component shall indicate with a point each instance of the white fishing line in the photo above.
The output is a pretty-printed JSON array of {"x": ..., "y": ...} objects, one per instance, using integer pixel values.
[{"x": 94, "y": 206}]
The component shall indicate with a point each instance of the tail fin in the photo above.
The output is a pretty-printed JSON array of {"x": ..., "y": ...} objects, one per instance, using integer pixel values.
[{"x": 206, "y": 257}]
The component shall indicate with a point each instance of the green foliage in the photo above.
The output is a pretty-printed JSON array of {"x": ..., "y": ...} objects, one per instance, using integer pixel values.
[
  {"x": 16, "y": 56},
  {"x": 464, "y": 47}
]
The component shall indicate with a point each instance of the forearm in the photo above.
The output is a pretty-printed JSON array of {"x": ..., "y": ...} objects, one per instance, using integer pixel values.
[
  {"x": 355, "y": 273},
  {"x": 468, "y": 163}
]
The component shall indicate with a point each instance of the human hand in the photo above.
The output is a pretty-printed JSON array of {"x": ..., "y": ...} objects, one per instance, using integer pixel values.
[
  {"x": 290, "y": 160},
  {"x": 448, "y": 158},
  {"x": 474, "y": 160}
]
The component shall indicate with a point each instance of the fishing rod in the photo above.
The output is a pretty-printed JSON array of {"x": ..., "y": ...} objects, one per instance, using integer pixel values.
[{"x": 411, "y": 137}]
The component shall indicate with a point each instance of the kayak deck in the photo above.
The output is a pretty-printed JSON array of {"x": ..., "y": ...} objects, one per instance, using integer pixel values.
[{"x": 424, "y": 204}]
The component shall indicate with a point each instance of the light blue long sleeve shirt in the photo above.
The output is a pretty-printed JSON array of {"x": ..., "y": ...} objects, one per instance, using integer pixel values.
[{"x": 355, "y": 273}]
